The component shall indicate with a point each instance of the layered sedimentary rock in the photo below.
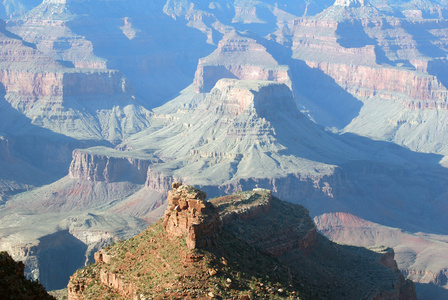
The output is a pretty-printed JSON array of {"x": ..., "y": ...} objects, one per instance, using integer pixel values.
[
  {"x": 242, "y": 134},
  {"x": 238, "y": 57},
  {"x": 95, "y": 167},
  {"x": 188, "y": 214},
  {"x": 54, "y": 100},
  {"x": 84, "y": 101},
  {"x": 82, "y": 37},
  {"x": 158, "y": 181},
  {"x": 412, "y": 89},
  {"x": 376, "y": 55}
]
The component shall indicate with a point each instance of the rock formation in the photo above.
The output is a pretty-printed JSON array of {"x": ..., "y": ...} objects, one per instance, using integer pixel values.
[
  {"x": 238, "y": 57},
  {"x": 188, "y": 214},
  {"x": 14, "y": 285},
  {"x": 286, "y": 232},
  {"x": 257, "y": 227},
  {"x": 99, "y": 167}
]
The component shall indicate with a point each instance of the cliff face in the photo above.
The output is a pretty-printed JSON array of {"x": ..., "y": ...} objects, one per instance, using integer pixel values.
[
  {"x": 97, "y": 167},
  {"x": 68, "y": 98},
  {"x": 241, "y": 58},
  {"x": 366, "y": 55},
  {"x": 189, "y": 214},
  {"x": 65, "y": 82},
  {"x": 412, "y": 89},
  {"x": 254, "y": 223}
]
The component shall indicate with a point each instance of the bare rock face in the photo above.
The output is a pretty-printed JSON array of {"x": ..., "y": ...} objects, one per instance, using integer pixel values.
[
  {"x": 158, "y": 181},
  {"x": 97, "y": 167},
  {"x": 412, "y": 89},
  {"x": 188, "y": 214},
  {"x": 238, "y": 57},
  {"x": 111, "y": 280}
]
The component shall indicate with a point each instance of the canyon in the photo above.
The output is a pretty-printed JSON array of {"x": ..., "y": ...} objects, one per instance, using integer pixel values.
[{"x": 336, "y": 105}]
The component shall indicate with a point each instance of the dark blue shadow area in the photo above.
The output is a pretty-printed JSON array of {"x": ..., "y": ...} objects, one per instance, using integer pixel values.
[
  {"x": 430, "y": 291},
  {"x": 351, "y": 34},
  {"x": 60, "y": 254},
  {"x": 333, "y": 106},
  {"x": 424, "y": 39},
  {"x": 49, "y": 152}
]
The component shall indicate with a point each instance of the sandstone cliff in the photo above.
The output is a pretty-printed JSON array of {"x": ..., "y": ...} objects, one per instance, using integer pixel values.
[
  {"x": 238, "y": 57},
  {"x": 188, "y": 214},
  {"x": 94, "y": 166}
]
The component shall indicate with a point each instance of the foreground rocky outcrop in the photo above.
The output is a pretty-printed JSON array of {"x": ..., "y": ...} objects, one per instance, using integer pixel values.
[
  {"x": 263, "y": 240},
  {"x": 188, "y": 214},
  {"x": 14, "y": 285}
]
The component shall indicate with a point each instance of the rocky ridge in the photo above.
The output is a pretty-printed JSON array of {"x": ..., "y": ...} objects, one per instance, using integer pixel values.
[
  {"x": 228, "y": 261},
  {"x": 14, "y": 285}
]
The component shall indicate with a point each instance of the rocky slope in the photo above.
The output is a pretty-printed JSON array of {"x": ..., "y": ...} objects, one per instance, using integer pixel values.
[
  {"x": 14, "y": 285},
  {"x": 53, "y": 246},
  {"x": 191, "y": 257},
  {"x": 419, "y": 256}
]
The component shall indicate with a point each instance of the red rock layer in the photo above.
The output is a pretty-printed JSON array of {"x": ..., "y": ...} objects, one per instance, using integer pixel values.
[
  {"x": 414, "y": 90},
  {"x": 188, "y": 214}
]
